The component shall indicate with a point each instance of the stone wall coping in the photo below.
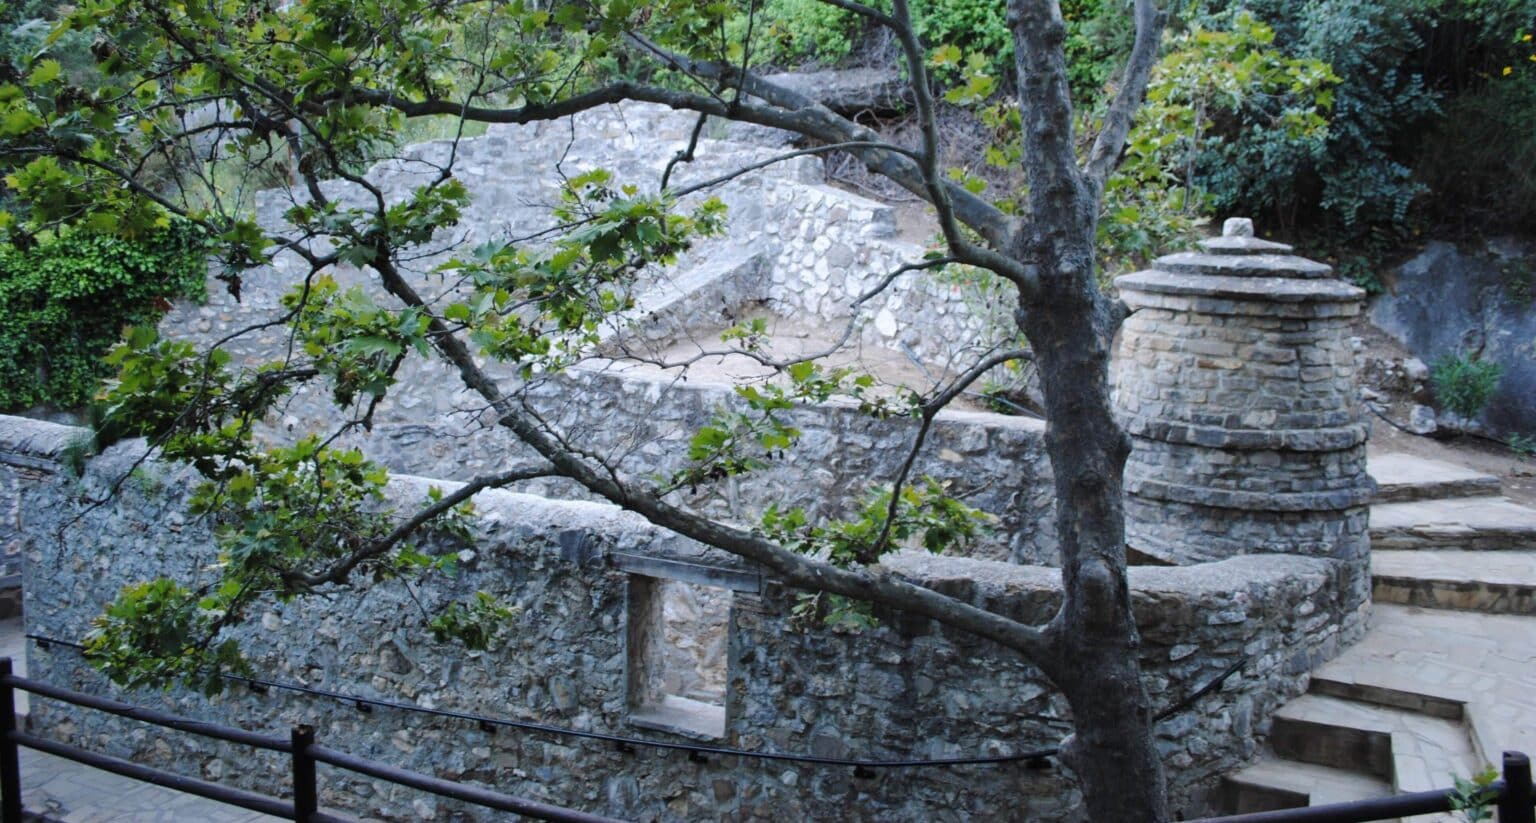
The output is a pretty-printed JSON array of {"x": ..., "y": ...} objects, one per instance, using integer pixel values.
[
  {"x": 26, "y": 437},
  {"x": 995, "y": 580},
  {"x": 601, "y": 369},
  {"x": 1336, "y": 438},
  {"x": 1243, "y": 244},
  {"x": 1261, "y": 289},
  {"x": 1243, "y": 265},
  {"x": 1359, "y": 494}
]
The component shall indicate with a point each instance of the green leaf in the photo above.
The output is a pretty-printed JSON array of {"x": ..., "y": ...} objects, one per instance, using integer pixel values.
[{"x": 46, "y": 71}]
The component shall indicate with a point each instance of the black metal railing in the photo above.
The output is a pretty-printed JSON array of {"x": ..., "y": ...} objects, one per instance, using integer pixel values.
[
  {"x": 300, "y": 746},
  {"x": 1511, "y": 796},
  {"x": 863, "y": 768}
]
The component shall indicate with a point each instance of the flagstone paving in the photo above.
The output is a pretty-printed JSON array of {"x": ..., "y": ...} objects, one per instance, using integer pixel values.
[{"x": 1444, "y": 680}]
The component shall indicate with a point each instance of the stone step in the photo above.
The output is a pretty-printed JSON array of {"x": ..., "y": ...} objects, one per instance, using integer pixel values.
[
  {"x": 1416, "y": 752},
  {"x": 1274, "y": 783},
  {"x": 1466, "y": 523},
  {"x": 1381, "y": 688},
  {"x": 1331, "y": 732},
  {"x": 1404, "y": 478},
  {"x": 1493, "y": 582},
  {"x": 1481, "y": 661}
]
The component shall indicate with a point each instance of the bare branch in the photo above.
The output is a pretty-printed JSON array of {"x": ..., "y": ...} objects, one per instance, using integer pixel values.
[
  {"x": 794, "y": 569},
  {"x": 778, "y": 158},
  {"x": 1105, "y": 155},
  {"x": 339, "y": 571}
]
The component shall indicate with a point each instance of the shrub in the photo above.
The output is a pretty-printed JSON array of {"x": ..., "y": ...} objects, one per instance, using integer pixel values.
[
  {"x": 1491, "y": 185},
  {"x": 794, "y": 32},
  {"x": 1403, "y": 66},
  {"x": 65, "y": 301},
  {"x": 1464, "y": 386}
]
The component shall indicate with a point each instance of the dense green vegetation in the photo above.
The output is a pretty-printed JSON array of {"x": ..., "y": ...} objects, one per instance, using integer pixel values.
[
  {"x": 65, "y": 295},
  {"x": 66, "y": 299},
  {"x": 1428, "y": 109}
]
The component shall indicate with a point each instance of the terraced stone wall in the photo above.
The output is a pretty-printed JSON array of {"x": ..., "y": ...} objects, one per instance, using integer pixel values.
[{"x": 906, "y": 689}]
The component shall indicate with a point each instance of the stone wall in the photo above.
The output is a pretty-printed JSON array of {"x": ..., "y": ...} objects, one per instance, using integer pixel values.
[
  {"x": 1235, "y": 378},
  {"x": 642, "y": 422},
  {"x": 31, "y": 452},
  {"x": 804, "y": 250},
  {"x": 907, "y": 689}
]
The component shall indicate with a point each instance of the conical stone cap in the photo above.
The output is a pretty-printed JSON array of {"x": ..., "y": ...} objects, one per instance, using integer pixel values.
[{"x": 1239, "y": 266}]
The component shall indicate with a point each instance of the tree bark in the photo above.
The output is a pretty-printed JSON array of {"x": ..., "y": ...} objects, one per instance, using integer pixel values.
[
  {"x": 1095, "y": 645},
  {"x": 1070, "y": 325}
]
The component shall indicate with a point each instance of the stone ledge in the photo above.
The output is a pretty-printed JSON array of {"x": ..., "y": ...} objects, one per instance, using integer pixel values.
[
  {"x": 38, "y": 439},
  {"x": 1262, "y": 289},
  {"x": 1335, "y": 500},
  {"x": 1250, "y": 306},
  {"x": 1252, "y": 264},
  {"x": 1313, "y": 440}
]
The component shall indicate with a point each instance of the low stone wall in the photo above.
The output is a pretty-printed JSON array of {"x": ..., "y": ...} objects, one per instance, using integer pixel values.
[
  {"x": 31, "y": 452},
  {"x": 642, "y": 422},
  {"x": 906, "y": 689}
]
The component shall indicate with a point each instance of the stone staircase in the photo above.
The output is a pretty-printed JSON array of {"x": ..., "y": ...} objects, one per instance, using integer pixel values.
[{"x": 1443, "y": 680}]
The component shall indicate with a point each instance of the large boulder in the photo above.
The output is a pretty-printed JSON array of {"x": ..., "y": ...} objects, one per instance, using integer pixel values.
[{"x": 1471, "y": 302}]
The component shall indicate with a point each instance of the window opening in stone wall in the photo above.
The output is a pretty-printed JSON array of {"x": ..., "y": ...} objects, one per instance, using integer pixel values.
[{"x": 677, "y": 655}]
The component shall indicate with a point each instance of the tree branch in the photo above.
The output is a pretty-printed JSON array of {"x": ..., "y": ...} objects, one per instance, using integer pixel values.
[
  {"x": 793, "y": 569},
  {"x": 1105, "y": 154},
  {"x": 340, "y": 570}
]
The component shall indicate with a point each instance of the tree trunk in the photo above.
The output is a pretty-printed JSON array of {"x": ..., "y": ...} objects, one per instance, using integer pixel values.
[
  {"x": 1095, "y": 642},
  {"x": 1069, "y": 323}
]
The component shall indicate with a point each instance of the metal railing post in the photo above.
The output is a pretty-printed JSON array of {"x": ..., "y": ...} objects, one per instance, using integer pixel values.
[
  {"x": 1515, "y": 804},
  {"x": 10, "y": 762},
  {"x": 306, "y": 802}
]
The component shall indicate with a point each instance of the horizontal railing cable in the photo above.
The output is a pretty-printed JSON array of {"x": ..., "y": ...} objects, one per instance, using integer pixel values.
[
  {"x": 447, "y": 788},
  {"x": 170, "y": 721},
  {"x": 170, "y": 780},
  {"x": 624, "y": 742}
]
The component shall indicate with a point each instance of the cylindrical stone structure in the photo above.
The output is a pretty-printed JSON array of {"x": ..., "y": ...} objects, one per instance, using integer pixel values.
[{"x": 1235, "y": 378}]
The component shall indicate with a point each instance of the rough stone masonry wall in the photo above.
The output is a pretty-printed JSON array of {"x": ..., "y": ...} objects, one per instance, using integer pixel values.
[
  {"x": 802, "y": 248},
  {"x": 1221, "y": 404},
  {"x": 1236, "y": 380},
  {"x": 994, "y": 462},
  {"x": 905, "y": 689}
]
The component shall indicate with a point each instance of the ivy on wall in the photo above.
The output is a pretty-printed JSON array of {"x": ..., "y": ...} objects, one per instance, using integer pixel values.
[{"x": 64, "y": 302}]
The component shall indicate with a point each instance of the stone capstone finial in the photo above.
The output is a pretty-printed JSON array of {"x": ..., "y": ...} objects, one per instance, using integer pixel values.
[{"x": 1237, "y": 227}]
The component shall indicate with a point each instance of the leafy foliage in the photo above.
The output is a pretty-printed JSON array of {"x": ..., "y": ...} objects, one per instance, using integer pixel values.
[
  {"x": 1473, "y": 796},
  {"x": 922, "y": 512},
  {"x": 794, "y": 32},
  {"x": 1211, "y": 78},
  {"x": 476, "y": 624},
  {"x": 65, "y": 300},
  {"x": 1491, "y": 185},
  {"x": 1464, "y": 385},
  {"x": 1358, "y": 194},
  {"x": 158, "y": 633},
  {"x": 1227, "y": 76}
]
